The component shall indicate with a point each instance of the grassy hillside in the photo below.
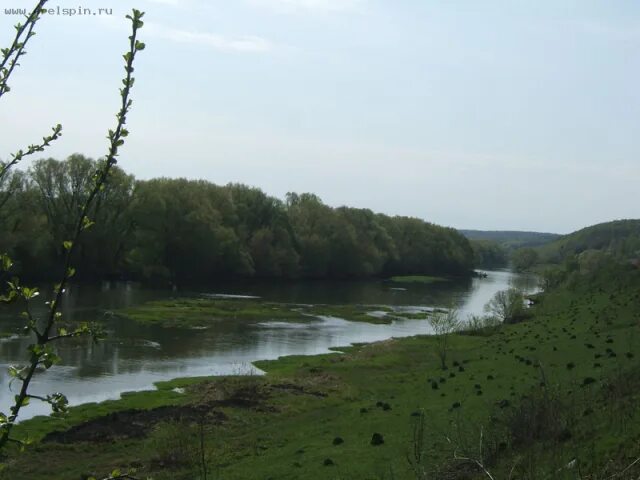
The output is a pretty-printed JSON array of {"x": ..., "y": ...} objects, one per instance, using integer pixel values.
[
  {"x": 546, "y": 398},
  {"x": 620, "y": 238}
]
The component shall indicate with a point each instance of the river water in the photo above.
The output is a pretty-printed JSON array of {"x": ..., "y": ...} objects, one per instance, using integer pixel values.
[{"x": 133, "y": 357}]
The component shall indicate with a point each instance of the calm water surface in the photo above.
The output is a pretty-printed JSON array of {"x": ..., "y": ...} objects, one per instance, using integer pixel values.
[{"x": 133, "y": 357}]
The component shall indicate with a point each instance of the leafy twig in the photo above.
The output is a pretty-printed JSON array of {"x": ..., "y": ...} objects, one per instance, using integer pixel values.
[
  {"x": 31, "y": 149},
  {"x": 41, "y": 353}
]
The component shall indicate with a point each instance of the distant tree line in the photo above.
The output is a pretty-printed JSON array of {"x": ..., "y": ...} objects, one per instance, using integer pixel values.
[
  {"x": 511, "y": 240},
  {"x": 179, "y": 230},
  {"x": 489, "y": 254}
]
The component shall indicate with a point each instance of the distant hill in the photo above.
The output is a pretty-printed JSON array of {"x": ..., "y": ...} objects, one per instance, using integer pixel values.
[
  {"x": 620, "y": 238},
  {"x": 511, "y": 240}
]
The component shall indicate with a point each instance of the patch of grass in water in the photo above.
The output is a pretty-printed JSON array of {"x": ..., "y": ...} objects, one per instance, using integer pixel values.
[
  {"x": 199, "y": 312},
  {"x": 202, "y": 312}
]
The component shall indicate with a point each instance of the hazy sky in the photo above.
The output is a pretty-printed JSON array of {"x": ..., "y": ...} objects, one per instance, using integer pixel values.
[{"x": 473, "y": 114}]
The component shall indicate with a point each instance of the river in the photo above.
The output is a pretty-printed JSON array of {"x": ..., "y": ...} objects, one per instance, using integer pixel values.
[{"x": 133, "y": 357}]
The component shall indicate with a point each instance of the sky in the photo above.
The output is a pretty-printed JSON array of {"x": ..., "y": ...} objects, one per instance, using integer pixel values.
[{"x": 493, "y": 115}]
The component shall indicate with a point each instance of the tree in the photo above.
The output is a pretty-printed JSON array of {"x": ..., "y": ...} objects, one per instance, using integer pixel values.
[
  {"x": 374, "y": 246},
  {"x": 185, "y": 232},
  {"x": 312, "y": 222},
  {"x": 25, "y": 237},
  {"x": 552, "y": 277},
  {"x": 507, "y": 305},
  {"x": 61, "y": 188},
  {"x": 42, "y": 354},
  {"x": 524, "y": 258},
  {"x": 443, "y": 325},
  {"x": 591, "y": 261}
]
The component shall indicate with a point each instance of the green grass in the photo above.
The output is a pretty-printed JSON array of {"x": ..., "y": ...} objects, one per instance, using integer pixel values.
[
  {"x": 426, "y": 279},
  {"x": 587, "y": 330}
]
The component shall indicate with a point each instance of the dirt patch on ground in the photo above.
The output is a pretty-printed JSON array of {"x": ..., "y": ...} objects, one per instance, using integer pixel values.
[
  {"x": 209, "y": 398},
  {"x": 133, "y": 423},
  {"x": 297, "y": 389},
  {"x": 232, "y": 393}
]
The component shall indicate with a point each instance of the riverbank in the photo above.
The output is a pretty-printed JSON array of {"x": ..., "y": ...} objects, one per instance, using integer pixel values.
[
  {"x": 354, "y": 414},
  {"x": 134, "y": 355}
]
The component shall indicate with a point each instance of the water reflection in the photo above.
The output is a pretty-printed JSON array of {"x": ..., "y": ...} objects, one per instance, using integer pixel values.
[{"x": 133, "y": 357}]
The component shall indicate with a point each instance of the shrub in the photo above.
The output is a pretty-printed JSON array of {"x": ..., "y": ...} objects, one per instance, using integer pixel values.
[
  {"x": 507, "y": 306},
  {"x": 377, "y": 439},
  {"x": 484, "y": 325}
]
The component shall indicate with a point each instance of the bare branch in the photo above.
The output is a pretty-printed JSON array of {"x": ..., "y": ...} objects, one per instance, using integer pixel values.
[
  {"x": 619, "y": 474},
  {"x": 478, "y": 462}
]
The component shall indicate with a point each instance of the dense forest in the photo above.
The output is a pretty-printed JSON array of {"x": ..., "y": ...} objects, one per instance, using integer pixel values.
[{"x": 178, "y": 230}]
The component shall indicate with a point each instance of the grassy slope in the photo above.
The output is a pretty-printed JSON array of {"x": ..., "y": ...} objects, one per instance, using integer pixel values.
[{"x": 290, "y": 434}]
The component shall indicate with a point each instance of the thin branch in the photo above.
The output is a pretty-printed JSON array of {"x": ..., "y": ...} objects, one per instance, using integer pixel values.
[
  {"x": 513, "y": 468},
  {"x": 628, "y": 468},
  {"x": 37, "y": 397},
  {"x": 31, "y": 149},
  {"x": 477, "y": 462},
  {"x": 67, "y": 335},
  {"x": 474, "y": 460},
  {"x": 31, "y": 322},
  {"x": 116, "y": 140},
  {"x": 12, "y": 54}
]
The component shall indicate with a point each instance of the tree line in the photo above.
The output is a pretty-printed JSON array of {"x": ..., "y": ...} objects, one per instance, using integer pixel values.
[
  {"x": 178, "y": 230},
  {"x": 588, "y": 249}
]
